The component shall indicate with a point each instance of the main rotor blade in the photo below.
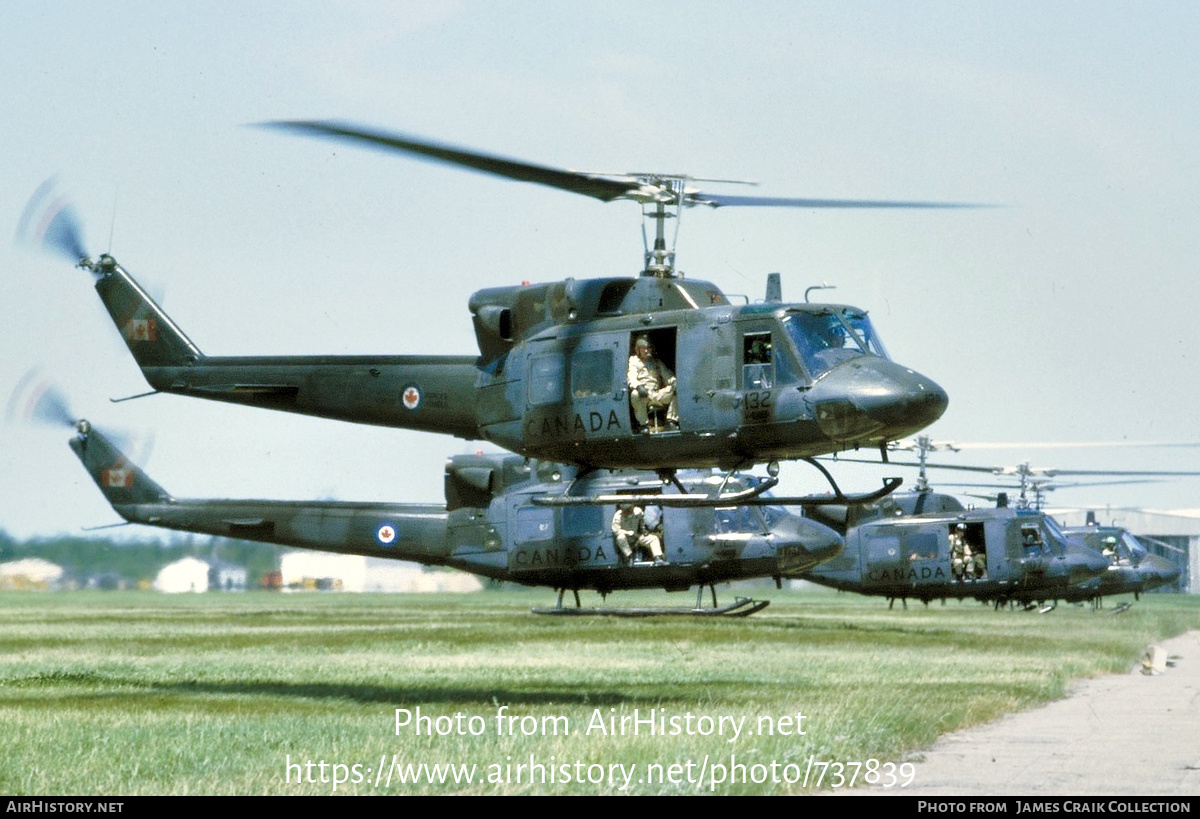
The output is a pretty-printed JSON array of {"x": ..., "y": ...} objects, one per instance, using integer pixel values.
[
  {"x": 605, "y": 187},
  {"x": 597, "y": 187},
  {"x": 1022, "y": 445},
  {"x": 1030, "y": 472},
  {"x": 718, "y": 201}
]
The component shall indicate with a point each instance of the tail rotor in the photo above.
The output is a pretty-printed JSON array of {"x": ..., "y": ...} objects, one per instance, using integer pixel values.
[{"x": 51, "y": 223}]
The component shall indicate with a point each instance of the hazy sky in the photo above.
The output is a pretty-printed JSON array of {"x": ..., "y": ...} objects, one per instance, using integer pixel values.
[{"x": 1066, "y": 315}]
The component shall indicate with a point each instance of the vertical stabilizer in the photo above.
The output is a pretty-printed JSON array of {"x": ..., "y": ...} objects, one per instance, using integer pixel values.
[
  {"x": 151, "y": 336},
  {"x": 121, "y": 481}
]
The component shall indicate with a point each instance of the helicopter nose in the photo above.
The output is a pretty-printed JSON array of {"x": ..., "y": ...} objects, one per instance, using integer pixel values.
[
  {"x": 875, "y": 399},
  {"x": 802, "y": 544},
  {"x": 1157, "y": 571},
  {"x": 1082, "y": 564}
]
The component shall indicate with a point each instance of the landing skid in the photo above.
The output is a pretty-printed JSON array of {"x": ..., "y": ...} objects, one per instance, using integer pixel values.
[
  {"x": 742, "y": 607},
  {"x": 752, "y": 496}
]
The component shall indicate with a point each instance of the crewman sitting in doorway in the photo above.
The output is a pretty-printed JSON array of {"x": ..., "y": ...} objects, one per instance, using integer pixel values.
[
  {"x": 630, "y": 533},
  {"x": 651, "y": 386}
]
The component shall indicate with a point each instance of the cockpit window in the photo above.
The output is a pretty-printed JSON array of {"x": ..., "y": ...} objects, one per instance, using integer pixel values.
[
  {"x": 862, "y": 326},
  {"x": 1123, "y": 548},
  {"x": 731, "y": 519},
  {"x": 1136, "y": 549},
  {"x": 822, "y": 341},
  {"x": 1056, "y": 541}
]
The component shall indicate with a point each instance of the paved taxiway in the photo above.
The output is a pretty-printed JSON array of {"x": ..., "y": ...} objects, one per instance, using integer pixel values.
[{"x": 1120, "y": 735}]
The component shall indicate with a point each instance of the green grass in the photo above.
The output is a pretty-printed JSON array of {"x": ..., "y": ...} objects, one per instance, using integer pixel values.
[{"x": 139, "y": 693}]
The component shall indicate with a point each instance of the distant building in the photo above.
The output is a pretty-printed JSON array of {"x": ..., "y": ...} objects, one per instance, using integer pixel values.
[
  {"x": 224, "y": 576},
  {"x": 32, "y": 573},
  {"x": 187, "y": 575},
  {"x": 322, "y": 571}
]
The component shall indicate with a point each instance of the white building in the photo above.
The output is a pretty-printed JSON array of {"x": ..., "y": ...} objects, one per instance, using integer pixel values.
[
  {"x": 187, "y": 575},
  {"x": 30, "y": 573},
  {"x": 319, "y": 570}
]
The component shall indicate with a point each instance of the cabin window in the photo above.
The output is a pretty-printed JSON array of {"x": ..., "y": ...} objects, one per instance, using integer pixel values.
[
  {"x": 921, "y": 546},
  {"x": 1032, "y": 544},
  {"x": 1131, "y": 549},
  {"x": 883, "y": 548},
  {"x": 534, "y": 524},
  {"x": 580, "y": 521},
  {"x": 592, "y": 373},
  {"x": 546, "y": 380},
  {"x": 758, "y": 368},
  {"x": 1044, "y": 536}
]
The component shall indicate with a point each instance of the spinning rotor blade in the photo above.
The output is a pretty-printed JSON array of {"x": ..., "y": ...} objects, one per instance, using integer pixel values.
[
  {"x": 1031, "y": 472},
  {"x": 50, "y": 222},
  {"x": 45, "y": 404},
  {"x": 785, "y": 202},
  {"x": 640, "y": 187},
  {"x": 1048, "y": 486},
  {"x": 957, "y": 445},
  {"x": 597, "y": 187},
  {"x": 37, "y": 399}
]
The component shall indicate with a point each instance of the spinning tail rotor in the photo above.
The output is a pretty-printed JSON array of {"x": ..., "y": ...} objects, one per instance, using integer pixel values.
[{"x": 51, "y": 223}]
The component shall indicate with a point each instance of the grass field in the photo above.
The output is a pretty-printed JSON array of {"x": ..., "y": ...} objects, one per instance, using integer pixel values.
[{"x": 127, "y": 693}]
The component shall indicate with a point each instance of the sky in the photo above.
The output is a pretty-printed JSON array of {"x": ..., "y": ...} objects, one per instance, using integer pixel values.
[{"x": 1065, "y": 314}]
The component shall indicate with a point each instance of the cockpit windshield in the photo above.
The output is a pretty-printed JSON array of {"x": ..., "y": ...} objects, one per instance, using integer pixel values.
[
  {"x": 1057, "y": 539},
  {"x": 862, "y": 325},
  {"x": 824, "y": 340},
  {"x": 1134, "y": 546},
  {"x": 1123, "y": 547}
]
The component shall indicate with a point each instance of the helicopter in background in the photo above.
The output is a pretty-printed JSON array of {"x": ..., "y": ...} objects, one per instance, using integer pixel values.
[
  {"x": 1000, "y": 555},
  {"x": 493, "y": 525},
  {"x": 1132, "y": 568},
  {"x": 905, "y": 545},
  {"x": 748, "y": 383}
]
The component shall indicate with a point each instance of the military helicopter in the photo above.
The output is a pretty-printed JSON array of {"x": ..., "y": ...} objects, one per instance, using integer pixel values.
[
  {"x": 747, "y": 384},
  {"x": 715, "y": 530},
  {"x": 1000, "y": 555},
  {"x": 1132, "y": 567},
  {"x": 926, "y": 545}
]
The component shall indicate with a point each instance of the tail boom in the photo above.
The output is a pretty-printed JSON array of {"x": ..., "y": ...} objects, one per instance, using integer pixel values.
[
  {"x": 428, "y": 393},
  {"x": 417, "y": 532}
]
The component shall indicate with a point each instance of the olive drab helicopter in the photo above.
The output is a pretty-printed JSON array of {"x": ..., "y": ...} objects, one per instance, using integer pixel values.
[
  {"x": 1132, "y": 567},
  {"x": 999, "y": 555},
  {"x": 493, "y": 526},
  {"x": 747, "y": 383},
  {"x": 926, "y": 545}
]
